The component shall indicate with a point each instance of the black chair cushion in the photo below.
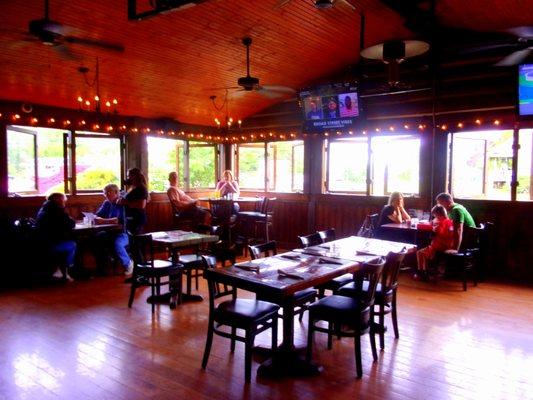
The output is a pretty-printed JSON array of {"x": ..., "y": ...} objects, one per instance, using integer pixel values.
[
  {"x": 339, "y": 308},
  {"x": 305, "y": 294},
  {"x": 251, "y": 214},
  {"x": 161, "y": 268},
  {"x": 243, "y": 312}
]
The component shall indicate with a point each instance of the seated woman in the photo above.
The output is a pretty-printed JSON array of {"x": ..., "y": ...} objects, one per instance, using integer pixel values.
[
  {"x": 394, "y": 211},
  {"x": 54, "y": 227},
  {"x": 442, "y": 241},
  {"x": 110, "y": 212},
  {"x": 228, "y": 186}
]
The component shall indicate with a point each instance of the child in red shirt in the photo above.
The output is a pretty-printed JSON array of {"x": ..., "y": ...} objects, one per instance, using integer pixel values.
[{"x": 442, "y": 241}]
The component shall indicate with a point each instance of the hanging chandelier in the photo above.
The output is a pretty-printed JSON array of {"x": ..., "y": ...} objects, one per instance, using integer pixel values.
[
  {"x": 225, "y": 122},
  {"x": 93, "y": 101}
]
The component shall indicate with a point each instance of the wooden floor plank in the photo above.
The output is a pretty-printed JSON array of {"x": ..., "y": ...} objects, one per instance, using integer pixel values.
[{"x": 81, "y": 341}]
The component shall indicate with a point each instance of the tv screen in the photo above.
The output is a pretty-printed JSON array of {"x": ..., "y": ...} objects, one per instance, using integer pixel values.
[
  {"x": 332, "y": 106},
  {"x": 525, "y": 89}
]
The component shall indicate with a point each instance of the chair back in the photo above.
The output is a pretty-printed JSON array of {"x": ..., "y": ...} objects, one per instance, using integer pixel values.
[
  {"x": 369, "y": 227},
  {"x": 263, "y": 250},
  {"x": 216, "y": 289},
  {"x": 142, "y": 249},
  {"x": 259, "y": 204},
  {"x": 268, "y": 207},
  {"x": 391, "y": 270},
  {"x": 310, "y": 240},
  {"x": 327, "y": 235},
  {"x": 371, "y": 272},
  {"x": 471, "y": 236},
  {"x": 221, "y": 211}
]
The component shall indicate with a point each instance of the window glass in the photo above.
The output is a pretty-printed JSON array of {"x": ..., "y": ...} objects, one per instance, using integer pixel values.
[
  {"x": 98, "y": 162},
  {"x": 202, "y": 165},
  {"x": 164, "y": 156},
  {"x": 525, "y": 165},
  {"x": 251, "y": 166},
  {"x": 347, "y": 165},
  {"x": 395, "y": 165},
  {"x": 481, "y": 164},
  {"x": 23, "y": 160},
  {"x": 285, "y": 166}
]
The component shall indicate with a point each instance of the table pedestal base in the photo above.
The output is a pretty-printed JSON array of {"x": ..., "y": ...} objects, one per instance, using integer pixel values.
[{"x": 287, "y": 364}]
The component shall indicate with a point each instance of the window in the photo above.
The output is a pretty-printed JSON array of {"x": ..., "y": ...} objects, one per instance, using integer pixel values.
[
  {"x": 35, "y": 160},
  {"x": 481, "y": 164},
  {"x": 281, "y": 172},
  {"x": 251, "y": 166},
  {"x": 394, "y": 165},
  {"x": 347, "y": 165},
  {"x": 525, "y": 165},
  {"x": 164, "y": 156},
  {"x": 285, "y": 166},
  {"x": 98, "y": 161},
  {"x": 202, "y": 165}
]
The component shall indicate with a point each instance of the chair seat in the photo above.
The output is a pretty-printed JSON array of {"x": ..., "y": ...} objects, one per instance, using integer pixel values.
[
  {"x": 349, "y": 290},
  {"x": 161, "y": 268},
  {"x": 338, "y": 308},
  {"x": 337, "y": 282},
  {"x": 251, "y": 214},
  {"x": 243, "y": 312}
]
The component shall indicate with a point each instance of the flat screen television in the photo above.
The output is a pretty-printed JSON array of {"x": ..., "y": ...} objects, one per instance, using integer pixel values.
[
  {"x": 525, "y": 89},
  {"x": 331, "y": 106}
]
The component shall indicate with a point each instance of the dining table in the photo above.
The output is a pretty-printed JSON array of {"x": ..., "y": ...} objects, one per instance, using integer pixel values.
[
  {"x": 174, "y": 241},
  {"x": 418, "y": 233},
  {"x": 279, "y": 277}
]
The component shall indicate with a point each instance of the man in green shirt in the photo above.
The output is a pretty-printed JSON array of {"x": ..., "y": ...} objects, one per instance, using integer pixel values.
[{"x": 459, "y": 215}]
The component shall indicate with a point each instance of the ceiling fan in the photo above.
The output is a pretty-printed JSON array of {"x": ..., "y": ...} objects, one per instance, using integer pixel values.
[
  {"x": 54, "y": 34},
  {"x": 321, "y": 4},
  {"x": 520, "y": 44},
  {"x": 250, "y": 83}
]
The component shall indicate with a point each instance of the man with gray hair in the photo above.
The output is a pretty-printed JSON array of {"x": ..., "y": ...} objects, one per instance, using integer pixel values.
[{"x": 112, "y": 213}]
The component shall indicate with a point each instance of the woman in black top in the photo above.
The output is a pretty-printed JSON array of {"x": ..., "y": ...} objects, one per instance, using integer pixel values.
[
  {"x": 135, "y": 201},
  {"x": 394, "y": 211}
]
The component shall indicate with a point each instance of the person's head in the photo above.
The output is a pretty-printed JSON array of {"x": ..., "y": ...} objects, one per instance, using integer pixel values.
[
  {"x": 173, "y": 178},
  {"x": 136, "y": 177},
  {"x": 348, "y": 102},
  {"x": 111, "y": 192},
  {"x": 445, "y": 199},
  {"x": 332, "y": 104},
  {"x": 58, "y": 198},
  {"x": 439, "y": 212},
  {"x": 396, "y": 199},
  {"x": 227, "y": 175}
]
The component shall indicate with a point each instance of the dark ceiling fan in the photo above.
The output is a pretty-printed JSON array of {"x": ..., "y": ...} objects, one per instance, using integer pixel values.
[
  {"x": 54, "y": 34},
  {"x": 250, "y": 83}
]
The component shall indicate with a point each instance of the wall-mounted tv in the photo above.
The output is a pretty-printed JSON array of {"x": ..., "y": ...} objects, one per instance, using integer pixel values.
[
  {"x": 525, "y": 89},
  {"x": 332, "y": 106}
]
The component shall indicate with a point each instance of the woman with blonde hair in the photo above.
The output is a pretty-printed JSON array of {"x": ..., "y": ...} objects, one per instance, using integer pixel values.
[
  {"x": 228, "y": 185},
  {"x": 394, "y": 211}
]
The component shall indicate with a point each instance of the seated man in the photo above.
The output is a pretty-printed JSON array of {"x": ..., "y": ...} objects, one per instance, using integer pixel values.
[
  {"x": 54, "y": 227},
  {"x": 183, "y": 204},
  {"x": 459, "y": 216},
  {"x": 112, "y": 213}
]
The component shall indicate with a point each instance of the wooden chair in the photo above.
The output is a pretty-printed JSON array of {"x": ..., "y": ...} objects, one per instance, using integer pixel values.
[
  {"x": 222, "y": 215},
  {"x": 354, "y": 313},
  {"x": 386, "y": 292},
  {"x": 315, "y": 239},
  {"x": 147, "y": 269},
  {"x": 301, "y": 298},
  {"x": 327, "y": 235},
  {"x": 252, "y": 316},
  {"x": 264, "y": 223},
  {"x": 246, "y": 223}
]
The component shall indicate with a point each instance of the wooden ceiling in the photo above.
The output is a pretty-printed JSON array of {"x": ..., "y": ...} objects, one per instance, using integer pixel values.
[{"x": 172, "y": 61}]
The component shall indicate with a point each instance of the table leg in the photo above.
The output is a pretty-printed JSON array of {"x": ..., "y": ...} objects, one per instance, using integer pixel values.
[{"x": 286, "y": 361}]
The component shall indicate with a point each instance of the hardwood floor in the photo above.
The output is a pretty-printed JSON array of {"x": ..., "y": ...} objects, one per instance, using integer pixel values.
[{"x": 80, "y": 341}]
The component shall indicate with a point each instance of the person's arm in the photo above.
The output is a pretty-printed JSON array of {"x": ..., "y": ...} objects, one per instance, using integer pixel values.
[
  {"x": 103, "y": 221},
  {"x": 234, "y": 187},
  {"x": 403, "y": 213},
  {"x": 395, "y": 216},
  {"x": 177, "y": 202}
]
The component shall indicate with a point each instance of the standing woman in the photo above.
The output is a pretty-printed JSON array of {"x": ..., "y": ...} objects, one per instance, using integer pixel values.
[{"x": 135, "y": 201}]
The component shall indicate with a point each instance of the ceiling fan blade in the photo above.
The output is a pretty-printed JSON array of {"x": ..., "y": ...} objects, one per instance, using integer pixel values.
[
  {"x": 521, "y": 31},
  {"x": 65, "y": 53},
  {"x": 95, "y": 43},
  {"x": 347, "y": 3},
  {"x": 486, "y": 47},
  {"x": 269, "y": 94},
  {"x": 514, "y": 58},
  {"x": 277, "y": 88}
]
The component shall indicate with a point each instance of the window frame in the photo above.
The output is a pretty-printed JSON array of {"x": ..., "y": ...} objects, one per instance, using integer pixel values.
[
  {"x": 186, "y": 166},
  {"x": 327, "y": 149},
  {"x": 23, "y": 130}
]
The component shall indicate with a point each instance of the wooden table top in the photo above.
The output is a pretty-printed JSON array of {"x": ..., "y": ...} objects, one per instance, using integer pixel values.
[
  {"x": 236, "y": 199},
  {"x": 180, "y": 238},
  {"x": 404, "y": 226},
  {"x": 298, "y": 271},
  {"x": 81, "y": 227}
]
